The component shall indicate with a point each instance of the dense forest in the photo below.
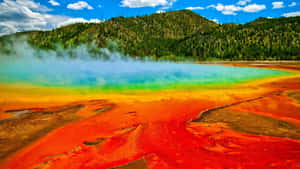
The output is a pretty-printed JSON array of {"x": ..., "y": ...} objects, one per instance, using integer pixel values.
[{"x": 180, "y": 35}]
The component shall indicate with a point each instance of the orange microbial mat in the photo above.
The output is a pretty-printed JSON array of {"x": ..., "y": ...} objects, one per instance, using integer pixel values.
[{"x": 248, "y": 124}]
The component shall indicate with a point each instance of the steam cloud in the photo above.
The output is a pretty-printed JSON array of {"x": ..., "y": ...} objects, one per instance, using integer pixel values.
[{"x": 87, "y": 65}]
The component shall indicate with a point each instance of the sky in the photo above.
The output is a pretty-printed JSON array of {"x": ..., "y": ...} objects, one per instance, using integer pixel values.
[{"x": 24, "y": 15}]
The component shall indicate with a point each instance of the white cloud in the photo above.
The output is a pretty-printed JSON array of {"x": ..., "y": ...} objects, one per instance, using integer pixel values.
[
  {"x": 232, "y": 9},
  {"x": 100, "y": 6},
  {"x": 80, "y": 5},
  {"x": 144, "y": 3},
  {"x": 226, "y": 9},
  {"x": 25, "y": 15},
  {"x": 254, "y": 8},
  {"x": 292, "y": 4},
  {"x": 170, "y": 4},
  {"x": 7, "y": 28},
  {"x": 291, "y": 14},
  {"x": 195, "y": 8},
  {"x": 53, "y": 3},
  {"x": 8, "y": 5},
  {"x": 160, "y": 11},
  {"x": 278, "y": 4},
  {"x": 78, "y": 20},
  {"x": 215, "y": 20},
  {"x": 243, "y": 2}
]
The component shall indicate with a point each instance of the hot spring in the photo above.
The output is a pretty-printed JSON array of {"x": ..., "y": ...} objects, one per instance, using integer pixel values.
[
  {"x": 59, "y": 68},
  {"x": 125, "y": 74}
]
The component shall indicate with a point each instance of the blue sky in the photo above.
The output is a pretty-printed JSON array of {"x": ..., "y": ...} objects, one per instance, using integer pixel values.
[
  {"x": 114, "y": 8},
  {"x": 20, "y": 15}
]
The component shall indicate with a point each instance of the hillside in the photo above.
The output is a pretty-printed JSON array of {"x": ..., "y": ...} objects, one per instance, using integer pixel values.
[
  {"x": 182, "y": 34},
  {"x": 272, "y": 39}
]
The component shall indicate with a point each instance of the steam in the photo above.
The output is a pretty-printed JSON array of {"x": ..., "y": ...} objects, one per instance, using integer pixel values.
[
  {"x": 19, "y": 49},
  {"x": 87, "y": 65}
]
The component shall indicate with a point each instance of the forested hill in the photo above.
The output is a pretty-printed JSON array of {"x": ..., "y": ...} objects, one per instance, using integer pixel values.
[{"x": 181, "y": 34}]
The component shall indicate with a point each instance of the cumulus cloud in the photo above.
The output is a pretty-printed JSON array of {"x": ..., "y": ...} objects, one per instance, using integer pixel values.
[
  {"x": 243, "y": 2},
  {"x": 22, "y": 15},
  {"x": 53, "y": 3},
  {"x": 291, "y": 14},
  {"x": 25, "y": 15},
  {"x": 144, "y": 3},
  {"x": 160, "y": 11},
  {"x": 278, "y": 4},
  {"x": 226, "y": 9},
  {"x": 292, "y": 4},
  {"x": 254, "y": 8},
  {"x": 10, "y": 5},
  {"x": 215, "y": 20},
  {"x": 232, "y": 9},
  {"x": 78, "y": 20},
  {"x": 170, "y": 4},
  {"x": 6, "y": 28},
  {"x": 80, "y": 5},
  {"x": 195, "y": 8}
]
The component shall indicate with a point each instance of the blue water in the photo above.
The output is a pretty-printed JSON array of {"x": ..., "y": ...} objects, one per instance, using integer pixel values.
[{"x": 122, "y": 73}]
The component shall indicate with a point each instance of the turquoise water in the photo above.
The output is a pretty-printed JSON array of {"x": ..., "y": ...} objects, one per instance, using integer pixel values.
[{"x": 126, "y": 75}]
